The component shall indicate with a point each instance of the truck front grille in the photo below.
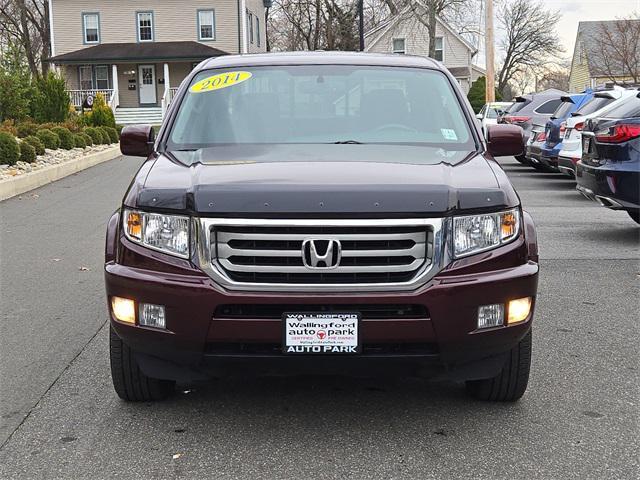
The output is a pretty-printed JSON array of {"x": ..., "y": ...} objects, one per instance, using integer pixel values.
[{"x": 321, "y": 253}]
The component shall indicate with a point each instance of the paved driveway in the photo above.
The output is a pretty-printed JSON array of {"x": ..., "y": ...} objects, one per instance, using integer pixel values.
[{"x": 62, "y": 419}]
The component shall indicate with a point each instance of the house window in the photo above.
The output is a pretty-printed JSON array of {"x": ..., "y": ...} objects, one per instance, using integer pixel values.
[
  {"x": 145, "y": 26},
  {"x": 86, "y": 77},
  {"x": 250, "y": 23},
  {"x": 399, "y": 45},
  {"x": 93, "y": 77},
  {"x": 257, "y": 30},
  {"x": 206, "y": 25},
  {"x": 439, "y": 49},
  {"x": 91, "y": 27},
  {"x": 102, "y": 76}
]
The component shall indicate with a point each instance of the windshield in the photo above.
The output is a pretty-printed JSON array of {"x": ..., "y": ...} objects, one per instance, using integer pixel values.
[
  {"x": 630, "y": 108},
  {"x": 563, "y": 110},
  {"x": 320, "y": 104},
  {"x": 517, "y": 106},
  {"x": 593, "y": 105}
]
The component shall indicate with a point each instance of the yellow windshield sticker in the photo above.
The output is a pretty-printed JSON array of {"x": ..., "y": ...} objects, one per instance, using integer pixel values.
[{"x": 222, "y": 80}]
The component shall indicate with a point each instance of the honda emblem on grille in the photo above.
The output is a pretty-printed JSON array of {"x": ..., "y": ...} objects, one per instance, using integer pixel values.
[{"x": 320, "y": 254}]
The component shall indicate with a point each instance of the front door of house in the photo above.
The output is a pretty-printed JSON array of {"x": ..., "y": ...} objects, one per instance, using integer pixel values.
[{"x": 147, "y": 82}]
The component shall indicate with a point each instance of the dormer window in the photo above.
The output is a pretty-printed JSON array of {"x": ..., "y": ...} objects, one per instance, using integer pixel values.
[
  {"x": 91, "y": 27},
  {"x": 145, "y": 26}
]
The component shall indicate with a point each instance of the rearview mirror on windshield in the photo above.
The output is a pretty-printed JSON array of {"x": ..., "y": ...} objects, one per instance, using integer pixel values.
[{"x": 137, "y": 140}]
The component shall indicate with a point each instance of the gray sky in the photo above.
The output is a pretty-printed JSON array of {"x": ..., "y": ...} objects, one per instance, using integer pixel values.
[{"x": 574, "y": 11}]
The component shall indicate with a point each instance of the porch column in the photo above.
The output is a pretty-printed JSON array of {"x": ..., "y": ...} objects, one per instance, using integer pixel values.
[
  {"x": 167, "y": 85},
  {"x": 116, "y": 90}
]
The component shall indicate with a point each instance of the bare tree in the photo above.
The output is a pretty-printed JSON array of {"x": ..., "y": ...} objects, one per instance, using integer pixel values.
[
  {"x": 313, "y": 25},
  {"x": 617, "y": 49},
  {"x": 530, "y": 38},
  {"x": 332, "y": 24},
  {"x": 26, "y": 22}
]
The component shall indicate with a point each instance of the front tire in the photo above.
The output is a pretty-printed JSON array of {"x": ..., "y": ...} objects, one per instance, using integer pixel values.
[
  {"x": 522, "y": 159},
  {"x": 128, "y": 380},
  {"x": 511, "y": 383},
  {"x": 635, "y": 215}
]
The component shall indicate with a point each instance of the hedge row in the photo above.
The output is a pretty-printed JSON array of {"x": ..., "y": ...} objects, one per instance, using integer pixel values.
[{"x": 35, "y": 140}]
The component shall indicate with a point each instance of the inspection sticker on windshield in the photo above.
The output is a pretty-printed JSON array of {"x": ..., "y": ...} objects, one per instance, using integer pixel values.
[
  {"x": 222, "y": 80},
  {"x": 449, "y": 134},
  {"x": 321, "y": 333}
]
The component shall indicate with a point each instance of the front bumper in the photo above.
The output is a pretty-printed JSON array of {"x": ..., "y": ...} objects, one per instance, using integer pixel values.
[{"x": 202, "y": 340}]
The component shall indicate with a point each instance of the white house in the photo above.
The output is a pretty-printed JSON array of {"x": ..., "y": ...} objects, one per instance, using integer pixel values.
[{"x": 405, "y": 34}]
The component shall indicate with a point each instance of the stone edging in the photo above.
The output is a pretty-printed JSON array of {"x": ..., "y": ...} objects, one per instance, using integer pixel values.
[{"x": 10, "y": 187}]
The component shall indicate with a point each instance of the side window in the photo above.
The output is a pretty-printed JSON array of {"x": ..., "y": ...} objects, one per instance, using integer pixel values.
[
  {"x": 548, "y": 107},
  {"x": 91, "y": 27},
  {"x": 145, "y": 26},
  {"x": 399, "y": 45},
  {"x": 206, "y": 25}
]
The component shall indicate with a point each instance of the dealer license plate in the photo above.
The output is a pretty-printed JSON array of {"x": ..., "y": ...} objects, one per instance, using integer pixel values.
[{"x": 321, "y": 333}]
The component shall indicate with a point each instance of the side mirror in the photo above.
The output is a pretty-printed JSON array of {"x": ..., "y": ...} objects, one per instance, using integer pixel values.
[
  {"x": 504, "y": 140},
  {"x": 137, "y": 140},
  {"x": 479, "y": 116}
]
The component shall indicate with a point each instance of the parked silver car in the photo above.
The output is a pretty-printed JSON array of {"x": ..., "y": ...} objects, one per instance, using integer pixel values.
[{"x": 532, "y": 109}]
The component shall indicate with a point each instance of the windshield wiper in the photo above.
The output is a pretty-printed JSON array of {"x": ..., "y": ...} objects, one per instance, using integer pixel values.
[{"x": 348, "y": 142}]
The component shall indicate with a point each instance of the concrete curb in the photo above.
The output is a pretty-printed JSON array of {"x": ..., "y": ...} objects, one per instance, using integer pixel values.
[{"x": 10, "y": 187}]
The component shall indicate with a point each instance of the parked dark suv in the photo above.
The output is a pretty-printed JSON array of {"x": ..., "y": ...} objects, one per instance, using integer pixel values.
[{"x": 320, "y": 212}]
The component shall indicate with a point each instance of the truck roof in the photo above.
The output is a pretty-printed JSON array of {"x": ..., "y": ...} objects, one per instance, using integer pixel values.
[{"x": 320, "y": 58}]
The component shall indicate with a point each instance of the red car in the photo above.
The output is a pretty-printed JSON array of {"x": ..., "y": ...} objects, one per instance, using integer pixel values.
[{"x": 326, "y": 213}]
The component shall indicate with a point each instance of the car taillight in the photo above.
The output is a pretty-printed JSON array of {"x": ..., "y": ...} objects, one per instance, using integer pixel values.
[
  {"x": 563, "y": 127},
  {"x": 515, "y": 119},
  {"x": 619, "y": 133},
  {"x": 579, "y": 126}
]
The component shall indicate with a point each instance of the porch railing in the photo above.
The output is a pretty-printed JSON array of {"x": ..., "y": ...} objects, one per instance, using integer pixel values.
[
  {"x": 169, "y": 93},
  {"x": 78, "y": 96}
]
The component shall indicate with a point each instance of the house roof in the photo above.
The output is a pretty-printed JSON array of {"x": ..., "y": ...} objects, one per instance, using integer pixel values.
[
  {"x": 405, "y": 14},
  {"x": 459, "y": 72},
  {"x": 590, "y": 36},
  {"x": 111, "y": 52}
]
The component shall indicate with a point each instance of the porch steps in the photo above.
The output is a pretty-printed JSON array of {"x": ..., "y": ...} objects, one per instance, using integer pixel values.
[{"x": 132, "y": 116}]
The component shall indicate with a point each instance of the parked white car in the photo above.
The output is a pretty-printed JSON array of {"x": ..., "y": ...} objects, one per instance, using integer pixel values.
[
  {"x": 602, "y": 102},
  {"x": 490, "y": 112}
]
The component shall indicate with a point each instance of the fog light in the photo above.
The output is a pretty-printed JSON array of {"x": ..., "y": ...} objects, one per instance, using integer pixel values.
[
  {"x": 124, "y": 309},
  {"x": 490, "y": 315},
  {"x": 152, "y": 315},
  {"x": 518, "y": 310}
]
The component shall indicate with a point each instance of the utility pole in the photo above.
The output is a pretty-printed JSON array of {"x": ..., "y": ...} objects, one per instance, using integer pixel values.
[
  {"x": 490, "y": 92},
  {"x": 361, "y": 23}
]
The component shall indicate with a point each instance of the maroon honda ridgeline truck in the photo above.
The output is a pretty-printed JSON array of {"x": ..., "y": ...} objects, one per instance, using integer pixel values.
[{"x": 320, "y": 212}]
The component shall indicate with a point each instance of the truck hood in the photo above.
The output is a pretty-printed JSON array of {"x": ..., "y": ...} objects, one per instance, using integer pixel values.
[{"x": 318, "y": 179}]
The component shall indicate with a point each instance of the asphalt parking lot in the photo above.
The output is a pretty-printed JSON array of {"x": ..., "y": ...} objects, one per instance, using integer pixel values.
[{"x": 62, "y": 419}]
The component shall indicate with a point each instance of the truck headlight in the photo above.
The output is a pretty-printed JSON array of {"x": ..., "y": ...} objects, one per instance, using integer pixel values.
[
  {"x": 165, "y": 233},
  {"x": 477, "y": 233}
]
